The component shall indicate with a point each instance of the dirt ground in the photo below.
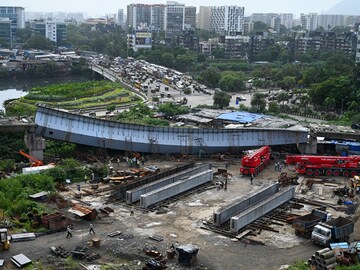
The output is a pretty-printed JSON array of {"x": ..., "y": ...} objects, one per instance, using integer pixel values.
[{"x": 180, "y": 223}]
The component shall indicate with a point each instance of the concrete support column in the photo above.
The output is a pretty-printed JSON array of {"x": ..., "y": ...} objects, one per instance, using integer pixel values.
[
  {"x": 311, "y": 147},
  {"x": 36, "y": 145}
]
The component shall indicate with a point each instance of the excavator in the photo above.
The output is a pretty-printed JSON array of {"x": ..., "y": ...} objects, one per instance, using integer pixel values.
[{"x": 34, "y": 161}]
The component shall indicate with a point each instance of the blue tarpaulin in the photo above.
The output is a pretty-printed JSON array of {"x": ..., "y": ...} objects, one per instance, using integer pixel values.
[{"x": 240, "y": 117}]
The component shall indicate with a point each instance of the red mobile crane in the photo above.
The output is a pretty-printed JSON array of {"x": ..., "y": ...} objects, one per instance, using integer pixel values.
[
  {"x": 34, "y": 161},
  {"x": 256, "y": 161},
  {"x": 326, "y": 165}
]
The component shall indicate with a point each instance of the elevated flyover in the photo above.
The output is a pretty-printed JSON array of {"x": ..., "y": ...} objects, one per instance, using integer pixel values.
[
  {"x": 12, "y": 124},
  {"x": 114, "y": 77},
  {"x": 61, "y": 125}
]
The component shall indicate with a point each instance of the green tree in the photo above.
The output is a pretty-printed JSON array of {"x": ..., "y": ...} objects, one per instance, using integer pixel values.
[
  {"x": 258, "y": 101},
  {"x": 329, "y": 104},
  {"x": 221, "y": 99},
  {"x": 274, "y": 107},
  {"x": 231, "y": 82},
  {"x": 218, "y": 53},
  {"x": 172, "y": 109},
  {"x": 282, "y": 97},
  {"x": 288, "y": 82},
  {"x": 39, "y": 42},
  {"x": 260, "y": 27},
  {"x": 211, "y": 77}
]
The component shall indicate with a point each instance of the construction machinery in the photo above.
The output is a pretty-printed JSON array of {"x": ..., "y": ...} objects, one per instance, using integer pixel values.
[
  {"x": 333, "y": 231},
  {"x": 326, "y": 165},
  {"x": 34, "y": 161},
  {"x": 355, "y": 183},
  {"x": 253, "y": 163},
  {"x": 4, "y": 240},
  {"x": 304, "y": 225}
]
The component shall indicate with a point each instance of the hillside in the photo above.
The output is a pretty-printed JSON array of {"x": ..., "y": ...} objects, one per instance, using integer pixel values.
[{"x": 345, "y": 7}]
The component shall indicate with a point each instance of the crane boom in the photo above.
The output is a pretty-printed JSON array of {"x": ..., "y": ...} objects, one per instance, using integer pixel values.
[{"x": 34, "y": 161}]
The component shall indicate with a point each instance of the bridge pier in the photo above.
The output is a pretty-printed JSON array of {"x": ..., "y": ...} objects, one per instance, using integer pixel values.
[
  {"x": 35, "y": 144},
  {"x": 309, "y": 148}
]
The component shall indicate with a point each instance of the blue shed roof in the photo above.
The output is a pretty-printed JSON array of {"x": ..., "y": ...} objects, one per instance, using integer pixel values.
[{"x": 240, "y": 117}]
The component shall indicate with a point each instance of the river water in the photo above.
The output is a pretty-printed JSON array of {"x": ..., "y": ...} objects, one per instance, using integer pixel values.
[{"x": 10, "y": 89}]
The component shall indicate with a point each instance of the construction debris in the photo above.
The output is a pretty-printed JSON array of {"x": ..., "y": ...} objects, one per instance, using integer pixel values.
[
  {"x": 156, "y": 238},
  {"x": 323, "y": 259},
  {"x": 20, "y": 260},
  {"x": 113, "y": 234},
  {"x": 83, "y": 212},
  {"x": 59, "y": 251},
  {"x": 19, "y": 237},
  {"x": 285, "y": 180},
  {"x": 187, "y": 254},
  {"x": 55, "y": 221}
]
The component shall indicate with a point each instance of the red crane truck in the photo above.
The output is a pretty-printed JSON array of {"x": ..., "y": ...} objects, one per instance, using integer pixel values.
[
  {"x": 255, "y": 162},
  {"x": 326, "y": 165}
]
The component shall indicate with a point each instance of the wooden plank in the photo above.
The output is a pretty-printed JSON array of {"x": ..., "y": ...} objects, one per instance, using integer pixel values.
[
  {"x": 330, "y": 185},
  {"x": 243, "y": 234}
]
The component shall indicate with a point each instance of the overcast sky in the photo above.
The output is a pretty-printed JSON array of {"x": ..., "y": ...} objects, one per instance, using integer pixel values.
[{"x": 101, "y": 7}]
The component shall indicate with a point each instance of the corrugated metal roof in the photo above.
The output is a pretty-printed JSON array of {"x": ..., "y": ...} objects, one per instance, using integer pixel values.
[
  {"x": 240, "y": 117},
  {"x": 79, "y": 210}
]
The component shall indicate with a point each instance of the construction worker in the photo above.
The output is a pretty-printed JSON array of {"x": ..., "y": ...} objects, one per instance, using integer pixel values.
[
  {"x": 132, "y": 211},
  {"x": 69, "y": 232},
  {"x": 251, "y": 179},
  {"x": 91, "y": 229}
]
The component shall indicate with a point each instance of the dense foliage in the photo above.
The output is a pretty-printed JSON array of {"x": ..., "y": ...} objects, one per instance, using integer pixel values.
[
  {"x": 14, "y": 193},
  {"x": 140, "y": 114},
  {"x": 72, "y": 96}
]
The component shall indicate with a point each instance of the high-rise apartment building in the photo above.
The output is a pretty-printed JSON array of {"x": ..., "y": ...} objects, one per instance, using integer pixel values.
[
  {"x": 309, "y": 21},
  {"x": 157, "y": 21},
  {"x": 266, "y": 18},
  {"x": 120, "y": 18},
  {"x": 138, "y": 16},
  {"x": 204, "y": 18},
  {"x": 287, "y": 19},
  {"x": 328, "y": 21},
  {"x": 5, "y": 31},
  {"x": 227, "y": 19},
  {"x": 174, "y": 18},
  {"x": 357, "y": 57},
  {"x": 190, "y": 17},
  {"x": 54, "y": 31},
  {"x": 16, "y": 15}
]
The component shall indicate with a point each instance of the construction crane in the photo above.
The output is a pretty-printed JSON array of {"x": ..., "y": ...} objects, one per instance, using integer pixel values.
[{"x": 34, "y": 161}]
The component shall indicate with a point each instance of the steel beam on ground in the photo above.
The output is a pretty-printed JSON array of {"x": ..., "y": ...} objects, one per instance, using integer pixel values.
[
  {"x": 224, "y": 214},
  {"x": 174, "y": 189},
  {"x": 134, "y": 194},
  {"x": 257, "y": 211}
]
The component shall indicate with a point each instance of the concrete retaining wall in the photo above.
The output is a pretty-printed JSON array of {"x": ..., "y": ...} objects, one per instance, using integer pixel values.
[
  {"x": 253, "y": 213},
  {"x": 134, "y": 194},
  {"x": 224, "y": 214},
  {"x": 176, "y": 188}
]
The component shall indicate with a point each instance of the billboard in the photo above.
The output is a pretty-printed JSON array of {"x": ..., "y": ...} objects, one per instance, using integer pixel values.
[{"x": 143, "y": 38}]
